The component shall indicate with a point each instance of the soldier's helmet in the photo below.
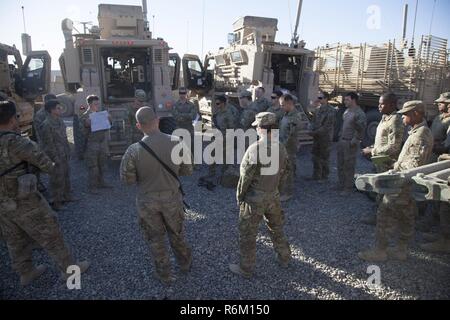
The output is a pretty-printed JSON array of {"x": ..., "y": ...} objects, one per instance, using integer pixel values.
[
  {"x": 140, "y": 95},
  {"x": 245, "y": 94},
  {"x": 265, "y": 119},
  {"x": 444, "y": 98}
]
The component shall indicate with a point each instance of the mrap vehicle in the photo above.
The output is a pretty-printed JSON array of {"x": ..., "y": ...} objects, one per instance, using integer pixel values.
[{"x": 112, "y": 61}]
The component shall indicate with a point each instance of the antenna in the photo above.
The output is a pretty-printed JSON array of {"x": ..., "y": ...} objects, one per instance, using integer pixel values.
[
  {"x": 23, "y": 18},
  {"x": 294, "y": 41},
  {"x": 153, "y": 16},
  {"x": 412, "y": 50},
  {"x": 432, "y": 17},
  {"x": 203, "y": 28}
]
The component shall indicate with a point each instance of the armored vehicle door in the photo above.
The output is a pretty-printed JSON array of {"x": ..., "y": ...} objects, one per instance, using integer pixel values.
[
  {"x": 194, "y": 73},
  {"x": 36, "y": 73},
  {"x": 174, "y": 69}
]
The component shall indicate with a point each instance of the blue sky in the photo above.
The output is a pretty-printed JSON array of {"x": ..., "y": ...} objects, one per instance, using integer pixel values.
[{"x": 180, "y": 22}]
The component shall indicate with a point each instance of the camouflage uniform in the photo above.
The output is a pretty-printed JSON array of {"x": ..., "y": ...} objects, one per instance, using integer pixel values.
[
  {"x": 322, "y": 130},
  {"x": 96, "y": 153},
  {"x": 415, "y": 153},
  {"x": 247, "y": 117},
  {"x": 289, "y": 135},
  {"x": 159, "y": 201},
  {"x": 184, "y": 113},
  {"x": 353, "y": 130},
  {"x": 223, "y": 121},
  {"x": 30, "y": 218},
  {"x": 278, "y": 112},
  {"x": 135, "y": 135},
  {"x": 262, "y": 104},
  {"x": 38, "y": 121},
  {"x": 259, "y": 198},
  {"x": 439, "y": 130},
  {"x": 56, "y": 147},
  {"x": 389, "y": 140}
]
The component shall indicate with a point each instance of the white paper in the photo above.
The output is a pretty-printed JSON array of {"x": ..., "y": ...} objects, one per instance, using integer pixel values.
[{"x": 99, "y": 121}]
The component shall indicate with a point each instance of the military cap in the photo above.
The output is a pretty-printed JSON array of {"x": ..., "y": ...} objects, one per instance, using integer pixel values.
[
  {"x": 444, "y": 98},
  {"x": 140, "y": 95},
  {"x": 245, "y": 94},
  {"x": 414, "y": 105},
  {"x": 265, "y": 119},
  {"x": 182, "y": 91}
]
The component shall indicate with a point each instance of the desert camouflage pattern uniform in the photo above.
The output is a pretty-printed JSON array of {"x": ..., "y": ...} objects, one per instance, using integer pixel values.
[
  {"x": 184, "y": 113},
  {"x": 135, "y": 134},
  {"x": 223, "y": 120},
  {"x": 38, "y": 121},
  {"x": 322, "y": 128},
  {"x": 262, "y": 104},
  {"x": 159, "y": 200},
  {"x": 278, "y": 112},
  {"x": 353, "y": 129},
  {"x": 24, "y": 220},
  {"x": 259, "y": 198},
  {"x": 289, "y": 135},
  {"x": 56, "y": 147},
  {"x": 96, "y": 153},
  {"x": 401, "y": 207},
  {"x": 389, "y": 140},
  {"x": 439, "y": 128}
]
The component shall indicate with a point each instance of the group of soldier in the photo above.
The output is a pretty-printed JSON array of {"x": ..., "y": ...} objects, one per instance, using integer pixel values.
[{"x": 27, "y": 218}]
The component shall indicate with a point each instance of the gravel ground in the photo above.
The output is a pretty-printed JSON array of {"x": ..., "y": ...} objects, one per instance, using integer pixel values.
[{"x": 323, "y": 229}]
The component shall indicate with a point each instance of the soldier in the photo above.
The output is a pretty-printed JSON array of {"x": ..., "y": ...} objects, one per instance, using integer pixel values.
[
  {"x": 248, "y": 112},
  {"x": 289, "y": 133},
  {"x": 258, "y": 197},
  {"x": 24, "y": 213},
  {"x": 388, "y": 140},
  {"x": 262, "y": 104},
  {"x": 160, "y": 197},
  {"x": 276, "y": 107},
  {"x": 40, "y": 116},
  {"x": 140, "y": 98},
  {"x": 223, "y": 120},
  {"x": 440, "y": 126},
  {"x": 352, "y": 134},
  {"x": 322, "y": 131},
  {"x": 184, "y": 113},
  {"x": 96, "y": 153},
  {"x": 400, "y": 207},
  {"x": 56, "y": 147}
]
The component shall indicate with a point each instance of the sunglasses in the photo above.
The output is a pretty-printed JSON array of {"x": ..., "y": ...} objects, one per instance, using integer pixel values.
[
  {"x": 218, "y": 103},
  {"x": 273, "y": 98},
  {"x": 320, "y": 98}
]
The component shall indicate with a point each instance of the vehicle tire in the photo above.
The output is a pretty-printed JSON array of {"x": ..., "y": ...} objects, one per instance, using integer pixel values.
[
  {"x": 167, "y": 125},
  {"x": 67, "y": 105},
  {"x": 373, "y": 119}
]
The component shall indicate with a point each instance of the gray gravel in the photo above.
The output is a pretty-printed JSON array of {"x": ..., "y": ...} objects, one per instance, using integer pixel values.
[{"x": 323, "y": 229}]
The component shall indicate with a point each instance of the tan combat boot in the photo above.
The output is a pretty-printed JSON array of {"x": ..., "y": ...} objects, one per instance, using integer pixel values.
[
  {"x": 236, "y": 269},
  {"x": 29, "y": 277},
  {"x": 440, "y": 246},
  {"x": 376, "y": 254},
  {"x": 399, "y": 252}
]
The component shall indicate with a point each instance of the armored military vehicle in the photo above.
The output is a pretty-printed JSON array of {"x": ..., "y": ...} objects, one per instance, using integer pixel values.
[
  {"x": 253, "y": 58},
  {"x": 112, "y": 61},
  {"x": 372, "y": 70},
  {"x": 24, "y": 83}
]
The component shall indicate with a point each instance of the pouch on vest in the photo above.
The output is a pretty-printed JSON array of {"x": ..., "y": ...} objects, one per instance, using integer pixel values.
[{"x": 26, "y": 186}]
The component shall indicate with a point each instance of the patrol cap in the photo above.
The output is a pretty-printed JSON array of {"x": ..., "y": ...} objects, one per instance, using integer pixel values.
[
  {"x": 145, "y": 115},
  {"x": 182, "y": 90},
  {"x": 245, "y": 94},
  {"x": 265, "y": 119},
  {"x": 414, "y": 105},
  {"x": 444, "y": 98},
  {"x": 140, "y": 95}
]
